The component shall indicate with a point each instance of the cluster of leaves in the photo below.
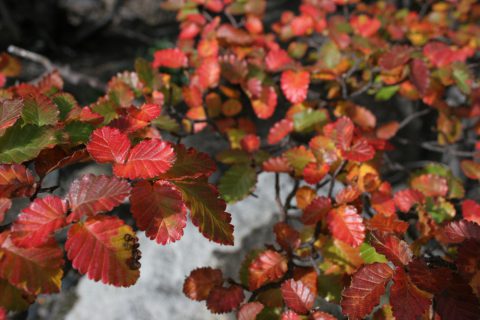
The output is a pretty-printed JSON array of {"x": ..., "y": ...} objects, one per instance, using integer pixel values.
[{"x": 347, "y": 236}]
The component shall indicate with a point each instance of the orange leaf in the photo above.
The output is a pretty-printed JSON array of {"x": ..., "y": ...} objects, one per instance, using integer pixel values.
[{"x": 269, "y": 266}]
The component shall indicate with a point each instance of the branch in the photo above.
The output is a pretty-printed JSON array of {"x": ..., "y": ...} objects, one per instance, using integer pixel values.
[
  {"x": 412, "y": 117},
  {"x": 68, "y": 74}
]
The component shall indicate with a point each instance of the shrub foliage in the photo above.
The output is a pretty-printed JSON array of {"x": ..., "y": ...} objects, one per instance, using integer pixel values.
[{"x": 324, "y": 96}]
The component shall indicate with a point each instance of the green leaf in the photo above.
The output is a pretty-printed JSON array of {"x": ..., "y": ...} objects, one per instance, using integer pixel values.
[
  {"x": 462, "y": 77},
  {"x": 233, "y": 156},
  {"x": 330, "y": 55},
  {"x": 65, "y": 102},
  {"x": 20, "y": 144},
  {"x": 386, "y": 93},
  {"x": 79, "y": 132},
  {"x": 440, "y": 209},
  {"x": 306, "y": 120},
  {"x": 370, "y": 255},
  {"x": 167, "y": 123},
  {"x": 106, "y": 109},
  {"x": 207, "y": 211},
  {"x": 12, "y": 298},
  {"x": 330, "y": 286},
  {"x": 39, "y": 110},
  {"x": 237, "y": 183}
]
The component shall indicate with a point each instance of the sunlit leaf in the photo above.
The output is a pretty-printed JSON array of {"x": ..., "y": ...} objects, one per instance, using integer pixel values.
[
  {"x": 104, "y": 249},
  {"x": 158, "y": 210}
]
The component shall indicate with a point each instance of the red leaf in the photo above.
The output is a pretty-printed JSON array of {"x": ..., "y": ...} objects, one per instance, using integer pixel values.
[
  {"x": 319, "y": 315},
  {"x": 433, "y": 280},
  {"x": 276, "y": 164},
  {"x": 277, "y": 60},
  {"x": 158, "y": 210},
  {"x": 5, "y": 205},
  {"x": 52, "y": 159},
  {"x": 269, "y": 266},
  {"x": 368, "y": 285},
  {"x": 397, "y": 56},
  {"x": 104, "y": 248},
  {"x": 250, "y": 143},
  {"x": 407, "y": 300},
  {"x": 290, "y": 315},
  {"x": 225, "y": 299},
  {"x": 207, "y": 211},
  {"x": 91, "y": 194},
  {"x": 458, "y": 302},
  {"x": 406, "y": 199},
  {"x": 420, "y": 75},
  {"x": 287, "y": 237},
  {"x": 36, "y": 224},
  {"x": 297, "y": 296},
  {"x": 439, "y": 54},
  {"x": 430, "y": 185},
  {"x": 341, "y": 132},
  {"x": 364, "y": 25},
  {"x": 314, "y": 172},
  {"x": 200, "y": 282},
  {"x": 387, "y": 130},
  {"x": 316, "y": 210},
  {"x": 383, "y": 203},
  {"x": 108, "y": 145},
  {"x": 458, "y": 231},
  {"x": 383, "y": 223},
  {"x": 170, "y": 58},
  {"x": 35, "y": 270},
  {"x": 279, "y": 130},
  {"x": 148, "y": 159},
  {"x": 10, "y": 111},
  {"x": 139, "y": 118},
  {"x": 471, "y": 169},
  {"x": 347, "y": 195},
  {"x": 360, "y": 151},
  {"x": 396, "y": 250},
  {"x": 16, "y": 181},
  {"x": 471, "y": 211},
  {"x": 295, "y": 85},
  {"x": 249, "y": 311},
  {"x": 346, "y": 225},
  {"x": 233, "y": 36},
  {"x": 190, "y": 164},
  {"x": 208, "y": 73}
]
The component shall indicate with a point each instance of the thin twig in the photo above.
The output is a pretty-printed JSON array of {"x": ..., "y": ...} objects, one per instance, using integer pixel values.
[
  {"x": 334, "y": 178},
  {"x": 412, "y": 117},
  {"x": 32, "y": 56},
  {"x": 68, "y": 74}
]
